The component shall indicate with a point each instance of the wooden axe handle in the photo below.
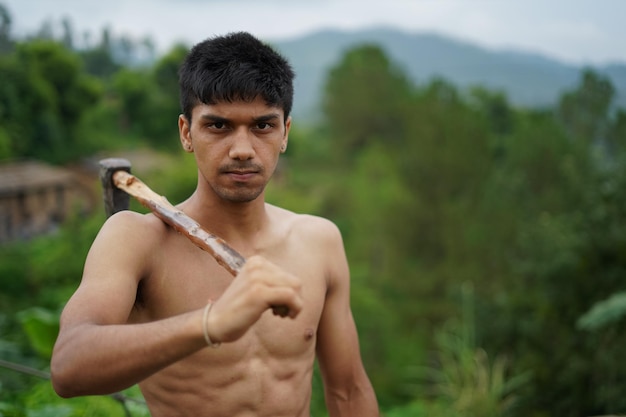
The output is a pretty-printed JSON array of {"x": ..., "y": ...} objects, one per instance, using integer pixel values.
[{"x": 225, "y": 255}]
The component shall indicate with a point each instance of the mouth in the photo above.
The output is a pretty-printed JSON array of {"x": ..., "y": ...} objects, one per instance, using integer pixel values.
[
  {"x": 241, "y": 172},
  {"x": 241, "y": 175}
]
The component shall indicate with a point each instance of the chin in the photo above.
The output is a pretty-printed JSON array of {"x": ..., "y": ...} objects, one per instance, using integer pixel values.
[{"x": 240, "y": 196}]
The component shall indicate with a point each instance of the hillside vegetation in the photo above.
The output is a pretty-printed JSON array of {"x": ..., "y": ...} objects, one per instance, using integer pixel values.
[{"x": 528, "y": 79}]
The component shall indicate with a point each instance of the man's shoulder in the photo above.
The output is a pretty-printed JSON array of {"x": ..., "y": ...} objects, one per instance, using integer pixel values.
[
  {"x": 129, "y": 218},
  {"x": 306, "y": 224},
  {"x": 130, "y": 227}
]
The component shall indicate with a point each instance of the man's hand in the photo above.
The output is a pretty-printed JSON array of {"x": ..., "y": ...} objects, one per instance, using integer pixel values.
[{"x": 260, "y": 285}]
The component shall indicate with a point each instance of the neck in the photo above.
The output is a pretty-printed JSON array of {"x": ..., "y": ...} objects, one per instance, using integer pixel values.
[{"x": 237, "y": 223}]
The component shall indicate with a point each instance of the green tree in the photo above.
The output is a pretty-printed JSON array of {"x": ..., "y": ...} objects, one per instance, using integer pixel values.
[
  {"x": 616, "y": 136},
  {"x": 133, "y": 89},
  {"x": 6, "y": 43},
  {"x": 163, "y": 130},
  {"x": 366, "y": 100},
  {"x": 565, "y": 240},
  {"x": 148, "y": 100},
  {"x": 584, "y": 112},
  {"x": 99, "y": 62},
  {"x": 44, "y": 100}
]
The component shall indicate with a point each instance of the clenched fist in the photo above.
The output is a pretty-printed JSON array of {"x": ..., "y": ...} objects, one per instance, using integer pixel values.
[{"x": 260, "y": 285}]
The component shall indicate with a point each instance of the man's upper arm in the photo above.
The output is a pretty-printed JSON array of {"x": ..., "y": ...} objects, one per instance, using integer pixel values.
[
  {"x": 347, "y": 388},
  {"x": 112, "y": 271},
  {"x": 338, "y": 345}
]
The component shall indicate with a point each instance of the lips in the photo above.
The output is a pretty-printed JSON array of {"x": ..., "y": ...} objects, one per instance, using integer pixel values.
[
  {"x": 241, "y": 169},
  {"x": 242, "y": 172},
  {"x": 241, "y": 176}
]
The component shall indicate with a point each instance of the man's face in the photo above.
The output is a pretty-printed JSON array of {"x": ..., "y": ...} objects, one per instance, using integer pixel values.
[{"x": 236, "y": 146}]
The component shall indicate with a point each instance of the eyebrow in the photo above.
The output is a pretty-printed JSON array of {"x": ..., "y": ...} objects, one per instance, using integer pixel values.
[
  {"x": 267, "y": 117},
  {"x": 213, "y": 118},
  {"x": 219, "y": 119}
]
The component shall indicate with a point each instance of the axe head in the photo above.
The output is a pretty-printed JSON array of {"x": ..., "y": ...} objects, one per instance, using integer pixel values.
[{"x": 114, "y": 199}]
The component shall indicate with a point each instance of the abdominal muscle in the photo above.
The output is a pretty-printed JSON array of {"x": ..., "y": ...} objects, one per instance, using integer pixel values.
[{"x": 240, "y": 379}]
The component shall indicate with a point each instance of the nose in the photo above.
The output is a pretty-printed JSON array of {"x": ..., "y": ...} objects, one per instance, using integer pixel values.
[{"x": 242, "y": 147}]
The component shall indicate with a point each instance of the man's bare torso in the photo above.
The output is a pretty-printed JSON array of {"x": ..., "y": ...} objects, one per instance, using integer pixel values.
[{"x": 265, "y": 373}]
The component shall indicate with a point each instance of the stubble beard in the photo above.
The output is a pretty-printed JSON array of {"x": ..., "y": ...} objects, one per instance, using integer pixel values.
[{"x": 239, "y": 193}]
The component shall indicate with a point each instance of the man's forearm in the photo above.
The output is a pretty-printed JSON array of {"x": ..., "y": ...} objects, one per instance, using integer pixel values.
[
  {"x": 92, "y": 359},
  {"x": 358, "y": 402}
]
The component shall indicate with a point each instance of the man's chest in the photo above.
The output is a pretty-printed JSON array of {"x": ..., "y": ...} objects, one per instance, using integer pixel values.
[{"x": 184, "y": 278}]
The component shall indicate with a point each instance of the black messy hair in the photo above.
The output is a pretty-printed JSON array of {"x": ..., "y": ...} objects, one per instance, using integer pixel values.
[{"x": 234, "y": 67}]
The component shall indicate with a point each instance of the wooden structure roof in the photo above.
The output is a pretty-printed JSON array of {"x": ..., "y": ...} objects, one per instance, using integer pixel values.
[{"x": 28, "y": 175}]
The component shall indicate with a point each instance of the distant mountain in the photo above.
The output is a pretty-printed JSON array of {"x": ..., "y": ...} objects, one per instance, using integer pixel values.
[{"x": 528, "y": 79}]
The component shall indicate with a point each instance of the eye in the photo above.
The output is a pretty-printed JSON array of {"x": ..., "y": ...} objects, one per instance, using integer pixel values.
[
  {"x": 218, "y": 125},
  {"x": 264, "y": 126}
]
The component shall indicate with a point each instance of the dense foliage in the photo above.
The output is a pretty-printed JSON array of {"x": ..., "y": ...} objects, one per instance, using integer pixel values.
[{"x": 486, "y": 242}]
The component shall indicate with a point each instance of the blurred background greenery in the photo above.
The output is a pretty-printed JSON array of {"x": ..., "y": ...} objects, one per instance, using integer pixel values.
[{"x": 487, "y": 240}]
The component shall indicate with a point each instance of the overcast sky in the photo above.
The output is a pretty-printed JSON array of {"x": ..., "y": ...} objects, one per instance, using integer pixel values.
[{"x": 575, "y": 31}]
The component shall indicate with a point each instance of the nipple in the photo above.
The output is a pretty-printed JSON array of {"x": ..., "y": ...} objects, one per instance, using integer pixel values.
[{"x": 308, "y": 334}]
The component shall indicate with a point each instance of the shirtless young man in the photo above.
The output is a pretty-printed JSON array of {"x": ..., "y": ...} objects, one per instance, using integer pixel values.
[{"x": 140, "y": 316}]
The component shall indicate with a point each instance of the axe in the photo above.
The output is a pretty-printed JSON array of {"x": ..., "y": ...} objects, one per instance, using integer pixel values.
[{"x": 118, "y": 184}]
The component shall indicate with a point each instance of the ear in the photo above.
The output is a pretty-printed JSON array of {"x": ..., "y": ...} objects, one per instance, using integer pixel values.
[
  {"x": 283, "y": 145},
  {"x": 184, "y": 132}
]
